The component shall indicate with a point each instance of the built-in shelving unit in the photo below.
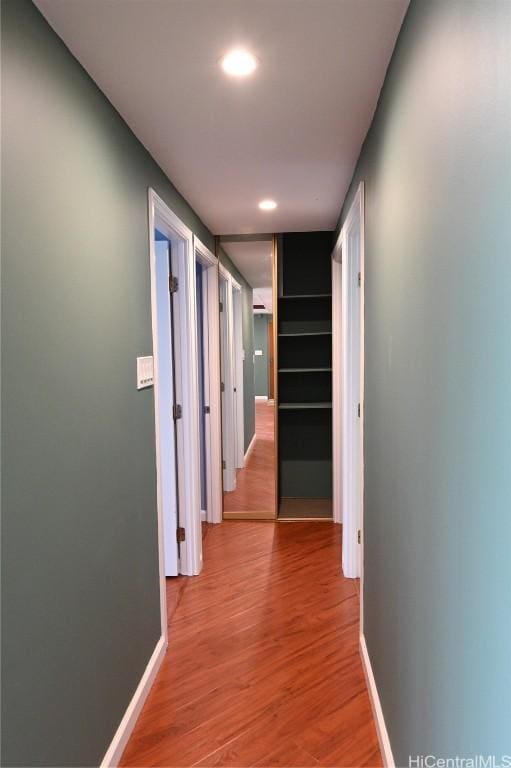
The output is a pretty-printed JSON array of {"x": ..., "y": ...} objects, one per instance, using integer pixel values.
[{"x": 304, "y": 373}]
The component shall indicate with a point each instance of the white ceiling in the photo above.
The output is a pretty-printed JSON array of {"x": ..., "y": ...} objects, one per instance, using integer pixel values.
[{"x": 292, "y": 131}]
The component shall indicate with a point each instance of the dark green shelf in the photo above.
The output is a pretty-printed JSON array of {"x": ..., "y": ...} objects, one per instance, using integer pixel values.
[
  {"x": 304, "y": 370},
  {"x": 307, "y": 296},
  {"x": 303, "y": 406},
  {"x": 308, "y": 333}
]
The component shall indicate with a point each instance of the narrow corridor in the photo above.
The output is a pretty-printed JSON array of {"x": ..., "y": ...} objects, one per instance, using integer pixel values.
[{"x": 263, "y": 667}]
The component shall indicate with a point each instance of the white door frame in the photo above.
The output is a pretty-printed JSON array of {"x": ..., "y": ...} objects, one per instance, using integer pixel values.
[
  {"x": 237, "y": 348},
  {"x": 337, "y": 380},
  {"x": 348, "y": 380},
  {"x": 211, "y": 342},
  {"x": 227, "y": 372},
  {"x": 187, "y": 389}
]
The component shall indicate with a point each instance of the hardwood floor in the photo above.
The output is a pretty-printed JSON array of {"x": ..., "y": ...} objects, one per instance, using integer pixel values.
[
  {"x": 263, "y": 666},
  {"x": 320, "y": 509},
  {"x": 255, "y": 483}
]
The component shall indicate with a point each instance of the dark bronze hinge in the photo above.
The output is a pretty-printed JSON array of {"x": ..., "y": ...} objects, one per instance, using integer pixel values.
[
  {"x": 359, "y": 536},
  {"x": 177, "y": 412},
  {"x": 206, "y": 409},
  {"x": 221, "y": 307},
  {"x": 358, "y": 410},
  {"x": 180, "y": 534},
  {"x": 173, "y": 284},
  {"x": 223, "y": 463},
  {"x": 222, "y": 386},
  {"x": 360, "y": 279}
]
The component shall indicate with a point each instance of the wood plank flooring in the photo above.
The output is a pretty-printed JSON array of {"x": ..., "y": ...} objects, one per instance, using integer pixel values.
[
  {"x": 255, "y": 483},
  {"x": 320, "y": 509},
  {"x": 263, "y": 666}
]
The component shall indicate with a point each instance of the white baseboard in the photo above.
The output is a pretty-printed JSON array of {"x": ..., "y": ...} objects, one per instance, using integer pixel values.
[
  {"x": 261, "y": 397},
  {"x": 203, "y": 515},
  {"x": 249, "y": 449},
  {"x": 116, "y": 748},
  {"x": 381, "y": 728}
]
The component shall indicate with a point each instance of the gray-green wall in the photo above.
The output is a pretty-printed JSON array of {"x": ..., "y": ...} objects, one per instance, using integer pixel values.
[
  {"x": 437, "y": 172},
  {"x": 80, "y": 562},
  {"x": 248, "y": 346},
  {"x": 261, "y": 373}
]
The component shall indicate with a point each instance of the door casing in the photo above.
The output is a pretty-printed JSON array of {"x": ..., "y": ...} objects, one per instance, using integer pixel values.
[
  {"x": 348, "y": 384},
  {"x": 186, "y": 389},
  {"x": 211, "y": 343},
  {"x": 237, "y": 364},
  {"x": 228, "y": 378}
]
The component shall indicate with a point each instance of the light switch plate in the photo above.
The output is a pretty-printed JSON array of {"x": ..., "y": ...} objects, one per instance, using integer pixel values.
[
  {"x": 145, "y": 372},
  {"x": 258, "y": 352}
]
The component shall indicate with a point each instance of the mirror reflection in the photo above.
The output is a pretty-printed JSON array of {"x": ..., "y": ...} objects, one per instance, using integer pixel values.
[{"x": 247, "y": 375}]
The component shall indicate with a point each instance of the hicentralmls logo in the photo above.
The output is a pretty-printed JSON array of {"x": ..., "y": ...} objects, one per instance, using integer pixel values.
[{"x": 475, "y": 761}]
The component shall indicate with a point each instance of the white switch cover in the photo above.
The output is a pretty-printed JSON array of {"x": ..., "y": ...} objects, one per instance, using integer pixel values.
[{"x": 145, "y": 372}]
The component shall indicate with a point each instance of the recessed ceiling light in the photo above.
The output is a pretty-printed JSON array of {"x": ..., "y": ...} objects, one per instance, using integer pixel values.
[
  {"x": 239, "y": 63},
  {"x": 267, "y": 205}
]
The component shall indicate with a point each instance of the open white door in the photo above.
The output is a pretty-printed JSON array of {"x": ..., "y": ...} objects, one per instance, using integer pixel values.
[
  {"x": 211, "y": 383},
  {"x": 238, "y": 394},
  {"x": 164, "y": 394},
  {"x": 349, "y": 371},
  {"x": 177, "y": 434},
  {"x": 227, "y": 382}
]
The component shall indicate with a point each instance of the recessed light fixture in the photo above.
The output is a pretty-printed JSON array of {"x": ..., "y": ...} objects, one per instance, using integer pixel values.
[
  {"x": 239, "y": 63},
  {"x": 267, "y": 205}
]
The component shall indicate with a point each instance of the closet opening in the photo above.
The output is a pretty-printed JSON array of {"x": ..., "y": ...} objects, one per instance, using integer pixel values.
[{"x": 304, "y": 354}]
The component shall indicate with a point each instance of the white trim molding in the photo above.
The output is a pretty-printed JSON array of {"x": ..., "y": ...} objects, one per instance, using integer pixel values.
[
  {"x": 127, "y": 724},
  {"x": 337, "y": 380},
  {"x": 250, "y": 447},
  {"x": 261, "y": 397},
  {"x": 381, "y": 728}
]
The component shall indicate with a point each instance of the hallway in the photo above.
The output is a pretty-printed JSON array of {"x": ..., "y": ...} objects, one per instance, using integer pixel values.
[
  {"x": 255, "y": 483},
  {"x": 263, "y": 667}
]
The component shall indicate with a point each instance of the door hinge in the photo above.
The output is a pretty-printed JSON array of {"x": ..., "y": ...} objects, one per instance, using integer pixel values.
[
  {"x": 180, "y": 534},
  {"x": 223, "y": 464},
  {"x": 177, "y": 412},
  {"x": 206, "y": 409},
  {"x": 359, "y": 279},
  {"x": 359, "y": 536},
  {"x": 221, "y": 306},
  {"x": 173, "y": 284},
  {"x": 358, "y": 410},
  {"x": 222, "y": 386}
]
